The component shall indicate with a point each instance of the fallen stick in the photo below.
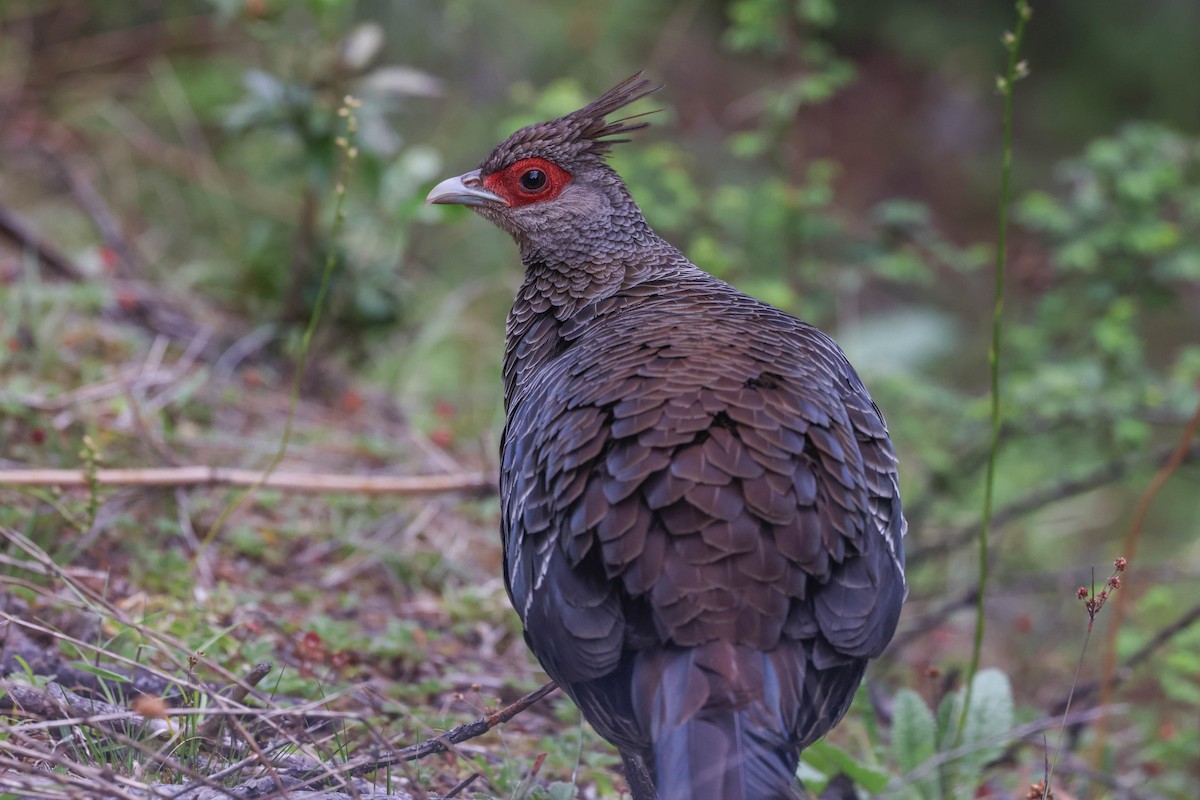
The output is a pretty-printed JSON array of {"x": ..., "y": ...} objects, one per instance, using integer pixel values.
[
  {"x": 446, "y": 741},
  {"x": 25, "y": 238},
  {"x": 168, "y": 477}
]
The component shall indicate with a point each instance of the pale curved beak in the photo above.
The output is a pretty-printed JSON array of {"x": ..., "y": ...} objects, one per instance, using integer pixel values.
[{"x": 465, "y": 190}]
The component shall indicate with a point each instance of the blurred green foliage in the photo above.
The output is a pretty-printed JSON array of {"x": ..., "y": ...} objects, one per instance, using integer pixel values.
[
  {"x": 1125, "y": 245},
  {"x": 1125, "y": 58}
]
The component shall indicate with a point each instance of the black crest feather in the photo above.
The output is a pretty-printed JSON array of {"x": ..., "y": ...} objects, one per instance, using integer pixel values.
[
  {"x": 582, "y": 132},
  {"x": 596, "y": 129}
]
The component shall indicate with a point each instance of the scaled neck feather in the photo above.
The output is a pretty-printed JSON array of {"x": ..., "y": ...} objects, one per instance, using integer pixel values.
[{"x": 563, "y": 275}]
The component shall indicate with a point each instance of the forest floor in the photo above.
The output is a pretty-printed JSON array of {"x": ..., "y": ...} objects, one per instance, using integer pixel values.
[{"x": 134, "y": 618}]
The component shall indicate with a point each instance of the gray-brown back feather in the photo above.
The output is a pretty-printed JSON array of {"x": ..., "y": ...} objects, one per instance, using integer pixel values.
[{"x": 683, "y": 464}]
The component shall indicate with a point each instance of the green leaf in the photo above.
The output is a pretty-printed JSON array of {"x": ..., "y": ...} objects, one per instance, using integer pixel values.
[
  {"x": 901, "y": 213},
  {"x": 29, "y": 676},
  {"x": 988, "y": 725},
  {"x": 913, "y": 730},
  {"x": 211, "y": 641},
  {"x": 748, "y": 144},
  {"x": 1183, "y": 265},
  {"x": 1041, "y": 211},
  {"x": 914, "y": 735},
  {"x": 101, "y": 672},
  {"x": 562, "y": 790},
  {"x": 813, "y": 779},
  {"x": 829, "y": 759},
  {"x": 1154, "y": 237},
  {"x": 1131, "y": 433},
  {"x": 821, "y": 13}
]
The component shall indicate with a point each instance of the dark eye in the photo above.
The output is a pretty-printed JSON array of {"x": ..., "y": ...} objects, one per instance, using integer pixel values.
[{"x": 533, "y": 180}]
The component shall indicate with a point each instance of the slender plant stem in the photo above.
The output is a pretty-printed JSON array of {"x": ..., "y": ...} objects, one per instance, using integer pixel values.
[
  {"x": 349, "y": 154},
  {"x": 1016, "y": 70}
]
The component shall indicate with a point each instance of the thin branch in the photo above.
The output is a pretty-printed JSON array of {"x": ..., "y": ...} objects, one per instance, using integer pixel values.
[
  {"x": 1189, "y": 618},
  {"x": 237, "y": 693},
  {"x": 1156, "y": 642},
  {"x": 169, "y": 477},
  {"x": 967, "y": 458},
  {"x": 88, "y": 778},
  {"x": 64, "y": 707},
  {"x": 443, "y": 743},
  {"x": 461, "y": 786},
  {"x": 1102, "y": 475},
  {"x": 94, "y": 206},
  {"x": 24, "y": 237}
]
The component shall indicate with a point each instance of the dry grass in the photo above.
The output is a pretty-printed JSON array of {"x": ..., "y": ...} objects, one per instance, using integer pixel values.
[{"x": 132, "y": 644}]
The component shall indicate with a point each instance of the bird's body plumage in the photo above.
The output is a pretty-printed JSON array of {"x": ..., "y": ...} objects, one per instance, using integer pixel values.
[{"x": 700, "y": 510}]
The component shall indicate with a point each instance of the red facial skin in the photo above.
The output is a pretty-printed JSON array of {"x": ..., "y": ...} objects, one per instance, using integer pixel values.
[{"x": 507, "y": 182}]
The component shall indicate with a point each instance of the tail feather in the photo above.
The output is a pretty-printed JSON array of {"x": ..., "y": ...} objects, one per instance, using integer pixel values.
[
  {"x": 716, "y": 758},
  {"x": 717, "y": 724}
]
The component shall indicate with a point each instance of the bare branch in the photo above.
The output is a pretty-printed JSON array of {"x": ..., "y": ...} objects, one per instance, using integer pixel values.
[
  {"x": 440, "y": 744},
  {"x": 168, "y": 477},
  {"x": 25, "y": 238},
  {"x": 1100, "y": 476}
]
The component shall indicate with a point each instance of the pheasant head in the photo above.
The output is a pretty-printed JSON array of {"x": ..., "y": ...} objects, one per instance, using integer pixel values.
[{"x": 549, "y": 187}]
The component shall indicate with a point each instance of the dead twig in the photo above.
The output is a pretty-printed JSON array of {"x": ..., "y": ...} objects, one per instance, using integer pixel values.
[
  {"x": 169, "y": 477},
  {"x": 1100, "y": 476},
  {"x": 461, "y": 786},
  {"x": 237, "y": 694},
  {"x": 25, "y": 238},
  {"x": 93, "y": 204},
  {"x": 443, "y": 743},
  {"x": 85, "y": 780},
  {"x": 55, "y": 703}
]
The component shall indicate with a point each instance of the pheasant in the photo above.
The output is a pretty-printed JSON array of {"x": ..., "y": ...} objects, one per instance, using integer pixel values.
[{"x": 700, "y": 516}]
